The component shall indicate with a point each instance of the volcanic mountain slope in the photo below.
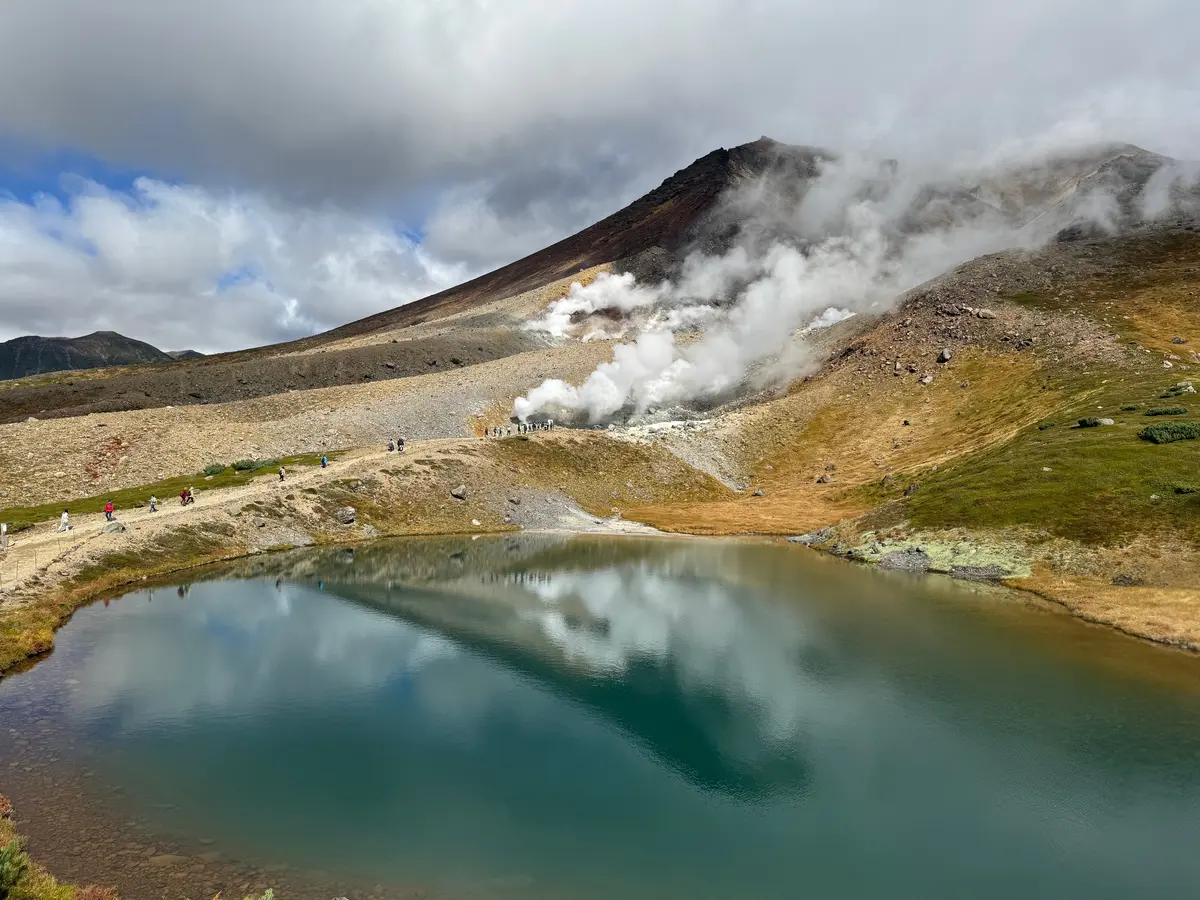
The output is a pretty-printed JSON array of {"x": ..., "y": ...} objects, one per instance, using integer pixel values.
[
  {"x": 704, "y": 206},
  {"x": 33, "y": 355}
]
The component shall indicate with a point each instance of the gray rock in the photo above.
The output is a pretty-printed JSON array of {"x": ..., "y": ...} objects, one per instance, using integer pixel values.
[
  {"x": 980, "y": 573},
  {"x": 985, "y": 314},
  {"x": 1106, "y": 421},
  {"x": 370, "y": 530},
  {"x": 926, "y": 379},
  {"x": 912, "y": 489},
  {"x": 258, "y": 523},
  {"x": 115, "y": 527},
  {"x": 346, "y": 515},
  {"x": 515, "y": 501},
  {"x": 913, "y": 560},
  {"x": 760, "y": 493},
  {"x": 1178, "y": 340},
  {"x": 822, "y": 479},
  {"x": 820, "y": 536},
  {"x": 459, "y": 493},
  {"x": 1125, "y": 579},
  {"x": 965, "y": 384},
  {"x": 945, "y": 355}
]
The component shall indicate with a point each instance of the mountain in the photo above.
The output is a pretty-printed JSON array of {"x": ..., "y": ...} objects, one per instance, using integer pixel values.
[
  {"x": 185, "y": 354},
  {"x": 751, "y": 192},
  {"x": 33, "y": 355}
]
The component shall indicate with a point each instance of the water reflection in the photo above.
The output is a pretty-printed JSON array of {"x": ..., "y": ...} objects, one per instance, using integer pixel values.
[{"x": 638, "y": 718}]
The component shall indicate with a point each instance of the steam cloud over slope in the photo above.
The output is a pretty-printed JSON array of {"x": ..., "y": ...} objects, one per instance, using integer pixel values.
[{"x": 850, "y": 240}]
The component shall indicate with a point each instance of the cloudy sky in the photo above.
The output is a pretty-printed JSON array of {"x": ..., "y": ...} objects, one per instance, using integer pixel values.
[{"x": 219, "y": 174}]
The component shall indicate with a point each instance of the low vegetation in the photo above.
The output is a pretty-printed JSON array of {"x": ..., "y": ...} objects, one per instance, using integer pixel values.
[
  {"x": 21, "y": 878},
  {"x": 19, "y": 517},
  {"x": 1167, "y": 411},
  {"x": 1169, "y": 432}
]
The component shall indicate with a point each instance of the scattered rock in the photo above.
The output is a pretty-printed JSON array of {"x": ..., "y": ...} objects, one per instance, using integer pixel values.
[
  {"x": 515, "y": 501},
  {"x": 346, "y": 515},
  {"x": 476, "y": 522},
  {"x": 370, "y": 530},
  {"x": 945, "y": 355},
  {"x": 911, "y": 560},
  {"x": 258, "y": 523},
  {"x": 906, "y": 421},
  {"x": 985, "y": 314},
  {"x": 115, "y": 527},
  {"x": 898, "y": 369},
  {"x": 1178, "y": 340},
  {"x": 820, "y": 536},
  {"x": 166, "y": 860},
  {"x": 926, "y": 379},
  {"x": 460, "y": 492},
  {"x": 822, "y": 479},
  {"x": 832, "y": 467},
  {"x": 1167, "y": 364},
  {"x": 1154, "y": 498},
  {"x": 1106, "y": 421},
  {"x": 888, "y": 480},
  {"x": 912, "y": 489},
  {"x": 760, "y": 493},
  {"x": 1047, "y": 469},
  {"x": 965, "y": 384}
]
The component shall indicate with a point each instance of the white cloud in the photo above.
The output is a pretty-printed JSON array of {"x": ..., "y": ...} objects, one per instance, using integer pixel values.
[{"x": 181, "y": 266}]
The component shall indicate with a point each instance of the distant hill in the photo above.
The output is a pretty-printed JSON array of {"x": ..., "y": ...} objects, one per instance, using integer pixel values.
[
  {"x": 184, "y": 354},
  {"x": 33, "y": 355}
]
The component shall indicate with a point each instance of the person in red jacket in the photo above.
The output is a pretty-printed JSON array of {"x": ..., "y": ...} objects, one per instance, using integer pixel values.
[{"x": 108, "y": 510}]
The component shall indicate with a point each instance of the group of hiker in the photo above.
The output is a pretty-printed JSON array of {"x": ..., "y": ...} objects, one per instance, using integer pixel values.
[
  {"x": 396, "y": 446},
  {"x": 522, "y": 428}
]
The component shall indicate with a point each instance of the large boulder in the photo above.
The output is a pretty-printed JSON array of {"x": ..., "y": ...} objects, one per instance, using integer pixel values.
[
  {"x": 460, "y": 492},
  {"x": 346, "y": 515},
  {"x": 911, "y": 560},
  {"x": 115, "y": 527}
]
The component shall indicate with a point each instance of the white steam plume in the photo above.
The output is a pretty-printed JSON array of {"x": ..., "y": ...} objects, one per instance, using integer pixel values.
[{"x": 857, "y": 238}]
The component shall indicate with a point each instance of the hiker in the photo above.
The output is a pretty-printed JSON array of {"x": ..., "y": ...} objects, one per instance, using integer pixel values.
[
  {"x": 399, "y": 445},
  {"x": 281, "y": 473},
  {"x": 153, "y": 503},
  {"x": 391, "y": 446},
  {"x": 324, "y": 462},
  {"x": 62, "y": 522},
  {"x": 549, "y": 424},
  {"x": 183, "y": 497},
  {"x": 108, "y": 510}
]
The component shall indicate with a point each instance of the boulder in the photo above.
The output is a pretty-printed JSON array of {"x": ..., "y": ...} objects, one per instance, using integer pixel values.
[
  {"x": 822, "y": 479},
  {"x": 980, "y": 573},
  {"x": 760, "y": 493},
  {"x": 459, "y": 493},
  {"x": 115, "y": 527},
  {"x": 515, "y": 501},
  {"x": 911, "y": 560},
  {"x": 346, "y": 515},
  {"x": 912, "y": 489},
  {"x": 820, "y": 536},
  {"x": 926, "y": 379},
  {"x": 258, "y": 523},
  {"x": 945, "y": 355},
  {"x": 985, "y": 314}
]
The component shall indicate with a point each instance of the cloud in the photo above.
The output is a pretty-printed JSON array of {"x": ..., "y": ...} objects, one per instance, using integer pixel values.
[
  {"x": 494, "y": 128},
  {"x": 185, "y": 267}
]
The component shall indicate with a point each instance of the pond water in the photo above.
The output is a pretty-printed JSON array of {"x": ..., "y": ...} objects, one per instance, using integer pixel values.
[{"x": 597, "y": 718}]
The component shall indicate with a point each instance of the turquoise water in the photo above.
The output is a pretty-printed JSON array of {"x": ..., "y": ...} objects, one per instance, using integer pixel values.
[{"x": 639, "y": 719}]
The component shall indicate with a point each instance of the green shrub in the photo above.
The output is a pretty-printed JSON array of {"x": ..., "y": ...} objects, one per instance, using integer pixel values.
[
  {"x": 1178, "y": 390},
  {"x": 1132, "y": 407},
  {"x": 13, "y": 866},
  {"x": 1168, "y": 432},
  {"x": 214, "y": 469},
  {"x": 1044, "y": 425},
  {"x": 1089, "y": 422},
  {"x": 1167, "y": 411},
  {"x": 249, "y": 465}
]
